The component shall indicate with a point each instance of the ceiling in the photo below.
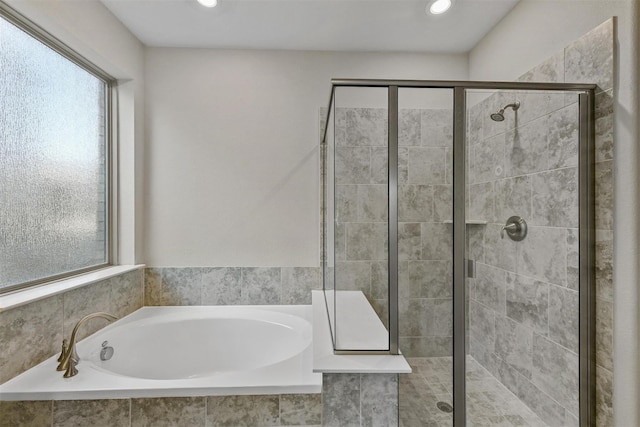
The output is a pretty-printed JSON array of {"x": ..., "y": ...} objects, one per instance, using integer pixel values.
[{"x": 334, "y": 25}]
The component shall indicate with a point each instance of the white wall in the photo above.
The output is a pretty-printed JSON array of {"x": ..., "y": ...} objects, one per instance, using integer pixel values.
[
  {"x": 91, "y": 30},
  {"x": 232, "y": 149},
  {"x": 533, "y": 31}
]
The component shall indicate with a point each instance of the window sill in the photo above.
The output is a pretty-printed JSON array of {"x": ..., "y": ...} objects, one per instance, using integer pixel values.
[{"x": 26, "y": 296}]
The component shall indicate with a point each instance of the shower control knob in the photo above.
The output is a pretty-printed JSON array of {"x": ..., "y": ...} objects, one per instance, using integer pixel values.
[{"x": 516, "y": 228}]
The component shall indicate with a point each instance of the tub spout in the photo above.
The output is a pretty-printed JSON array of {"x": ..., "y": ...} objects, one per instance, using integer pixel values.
[{"x": 69, "y": 358}]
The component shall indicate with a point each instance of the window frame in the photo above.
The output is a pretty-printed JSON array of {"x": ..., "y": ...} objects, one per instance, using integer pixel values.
[{"x": 111, "y": 173}]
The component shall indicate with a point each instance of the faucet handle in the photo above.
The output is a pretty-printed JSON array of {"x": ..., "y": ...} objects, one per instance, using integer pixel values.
[
  {"x": 64, "y": 351},
  {"x": 71, "y": 369}
]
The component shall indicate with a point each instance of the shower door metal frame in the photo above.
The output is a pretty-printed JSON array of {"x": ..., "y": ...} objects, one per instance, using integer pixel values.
[{"x": 586, "y": 189}]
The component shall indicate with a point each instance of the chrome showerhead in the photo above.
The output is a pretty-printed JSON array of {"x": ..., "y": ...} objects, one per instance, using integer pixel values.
[{"x": 499, "y": 116}]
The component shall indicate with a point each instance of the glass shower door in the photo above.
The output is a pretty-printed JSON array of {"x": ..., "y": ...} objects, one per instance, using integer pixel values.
[{"x": 522, "y": 222}]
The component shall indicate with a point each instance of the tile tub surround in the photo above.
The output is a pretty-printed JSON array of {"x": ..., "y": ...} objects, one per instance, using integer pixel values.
[
  {"x": 230, "y": 285},
  {"x": 32, "y": 333},
  {"x": 347, "y": 400},
  {"x": 222, "y": 411},
  {"x": 523, "y": 306}
]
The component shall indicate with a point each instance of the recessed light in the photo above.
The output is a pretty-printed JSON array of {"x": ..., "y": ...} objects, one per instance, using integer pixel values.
[
  {"x": 208, "y": 3},
  {"x": 439, "y": 6}
]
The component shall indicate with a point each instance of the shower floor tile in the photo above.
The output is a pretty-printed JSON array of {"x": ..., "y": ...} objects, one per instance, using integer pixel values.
[{"x": 489, "y": 403}]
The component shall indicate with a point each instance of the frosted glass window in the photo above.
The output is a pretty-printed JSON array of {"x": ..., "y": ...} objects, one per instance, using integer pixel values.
[{"x": 53, "y": 163}]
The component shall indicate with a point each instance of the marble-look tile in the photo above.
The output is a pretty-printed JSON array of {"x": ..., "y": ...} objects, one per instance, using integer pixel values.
[
  {"x": 604, "y": 334},
  {"x": 542, "y": 404},
  {"x": 168, "y": 412},
  {"x": 243, "y": 411},
  {"x": 487, "y": 160},
  {"x": 297, "y": 284},
  {"x": 528, "y": 302},
  {"x": 526, "y": 148},
  {"x": 590, "y": 58},
  {"x": 542, "y": 255},
  {"x": 564, "y": 317},
  {"x": 501, "y": 253},
  {"x": 549, "y": 71},
  {"x": 604, "y": 195},
  {"x": 357, "y": 127},
  {"x": 26, "y": 413},
  {"x": 514, "y": 345},
  {"x": 346, "y": 200},
  {"x": 380, "y": 279},
  {"x": 604, "y": 397},
  {"x": 300, "y": 409},
  {"x": 409, "y": 241},
  {"x": 379, "y": 400},
  {"x": 437, "y": 128},
  {"x": 604, "y": 264},
  {"x": 512, "y": 197},
  {"x": 573, "y": 259},
  {"x": 367, "y": 241},
  {"x": 340, "y": 400},
  {"x": 29, "y": 335},
  {"x": 415, "y": 203},
  {"x": 354, "y": 276},
  {"x": 403, "y": 166},
  {"x": 409, "y": 127},
  {"x": 372, "y": 204},
  {"x": 81, "y": 413},
  {"x": 475, "y": 241},
  {"x": 533, "y": 105},
  {"x": 556, "y": 372},
  {"x": 571, "y": 420},
  {"x": 221, "y": 285},
  {"x": 490, "y": 287},
  {"x": 604, "y": 126},
  {"x": 83, "y": 301},
  {"x": 261, "y": 285},
  {"x": 426, "y": 346},
  {"x": 427, "y": 165},
  {"x": 181, "y": 286},
  {"x": 379, "y": 165},
  {"x": 126, "y": 294},
  {"x": 340, "y": 244},
  {"x": 474, "y": 122},
  {"x": 436, "y": 241},
  {"x": 563, "y": 137},
  {"x": 430, "y": 279},
  {"x": 353, "y": 165},
  {"x": 152, "y": 286},
  {"x": 442, "y": 202},
  {"x": 482, "y": 327},
  {"x": 555, "y": 198},
  {"x": 482, "y": 201}
]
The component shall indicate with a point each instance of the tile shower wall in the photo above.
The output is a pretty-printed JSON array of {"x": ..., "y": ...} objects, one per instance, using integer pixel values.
[
  {"x": 524, "y": 300},
  {"x": 424, "y": 203}
]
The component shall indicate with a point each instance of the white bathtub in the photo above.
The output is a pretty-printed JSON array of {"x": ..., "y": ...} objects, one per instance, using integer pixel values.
[{"x": 185, "y": 351}]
